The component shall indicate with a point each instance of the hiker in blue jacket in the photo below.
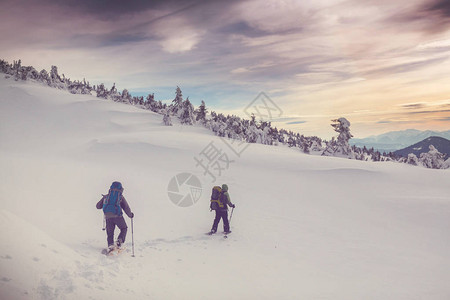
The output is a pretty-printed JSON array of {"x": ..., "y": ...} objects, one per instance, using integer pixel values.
[
  {"x": 112, "y": 205},
  {"x": 222, "y": 211}
]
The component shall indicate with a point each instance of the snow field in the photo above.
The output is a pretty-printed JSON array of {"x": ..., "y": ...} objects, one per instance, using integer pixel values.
[{"x": 304, "y": 227}]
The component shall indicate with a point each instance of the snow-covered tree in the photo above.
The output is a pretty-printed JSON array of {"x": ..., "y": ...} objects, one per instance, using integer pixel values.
[
  {"x": 234, "y": 128},
  {"x": 166, "y": 119},
  {"x": 32, "y": 73},
  {"x": 177, "y": 103},
  {"x": 412, "y": 159},
  {"x": 292, "y": 140},
  {"x": 304, "y": 144},
  {"x": 433, "y": 159},
  {"x": 140, "y": 100},
  {"x": 17, "y": 66},
  {"x": 218, "y": 124},
  {"x": 44, "y": 77},
  {"x": 340, "y": 146},
  {"x": 126, "y": 97},
  {"x": 252, "y": 133},
  {"x": 316, "y": 145},
  {"x": 330, "y": 148},
  {"x": 201, "y": 112},
  {"x": 113, "y": 94},
  {"x": 376, "y": 156},
  {"x": 266, "y": 133},
  {"x": 446, "y": 164},
  {"x": 102, "y": 92},
  {"x": 150, "y": 103},
  {"x": 186, "y": 114},
  {"x": 5, "y": 67},
  {"x": 56, "y": 80},
  {"x": 75, "y": 88}
]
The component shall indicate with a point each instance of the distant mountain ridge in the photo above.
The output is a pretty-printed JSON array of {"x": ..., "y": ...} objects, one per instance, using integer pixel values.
[
  {"x": 397, "y": 140},
  {"x": 440, "y": 143}
]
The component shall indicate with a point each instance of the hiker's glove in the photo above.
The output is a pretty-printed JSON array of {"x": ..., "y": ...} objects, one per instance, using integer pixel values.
[
  {"x": 233, "y": 206},
  {"x": 132, "y": 215}
]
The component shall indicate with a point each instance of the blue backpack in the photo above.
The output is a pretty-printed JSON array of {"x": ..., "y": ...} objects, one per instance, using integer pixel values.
[{"x": 112, "y": 201}]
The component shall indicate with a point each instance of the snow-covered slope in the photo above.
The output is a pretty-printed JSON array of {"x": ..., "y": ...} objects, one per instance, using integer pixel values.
[{"x": 304, "y": 227}]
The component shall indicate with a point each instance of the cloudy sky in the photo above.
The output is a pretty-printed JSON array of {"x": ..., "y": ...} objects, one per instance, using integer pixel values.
[{"x": 382, "y": 64}]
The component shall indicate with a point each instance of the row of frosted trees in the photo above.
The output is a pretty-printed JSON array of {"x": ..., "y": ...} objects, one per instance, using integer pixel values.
[{"x": 230, "y": 126}]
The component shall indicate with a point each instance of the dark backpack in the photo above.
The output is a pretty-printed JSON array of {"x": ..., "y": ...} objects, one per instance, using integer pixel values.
[
  {"x": 111, "y": 204},
  {"x": 216, "y": 197}
]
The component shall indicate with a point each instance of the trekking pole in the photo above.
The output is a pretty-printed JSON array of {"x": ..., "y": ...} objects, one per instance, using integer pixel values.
[
  {"x": 104, "y": 218},
  {"x": 132, "y": 237},
  {"x": 229, "y": 222}
]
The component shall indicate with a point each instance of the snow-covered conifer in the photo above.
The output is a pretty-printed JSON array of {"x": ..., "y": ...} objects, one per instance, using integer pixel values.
[
  {"x": 32, "y": 73},
  {"x": 330, "y": 148},
  {"x": 126, "y": 97},
  {"x": 140, "y": 100},
  {"x": 177, "y": 103},
  {"x": 200, "y": 113},
  {"x": 4, "y": 66},
  {"x": 113, "y": 94},
  {"x": 252, "y": 134},
  {"x": 17, "y": 65},
  {"x": 316, "y": 145},
  {"x": 186, "y": 113},
  {"x": 304, "y": 144},
  {"x": 433, "y": 159},
  {"x": 55, "y": 79},
  {"x": 376, "y": 156},
  {"x": 44, "y": 77},
  {"x": 446, "y": 164},
  {"x": 291, "y": 140},
  {"x": 340, "y": 146},
  {"x": 412, "y": 159},
  {"x": 235, "y": 128},
  {"x": 102, "y": 92},
  {"x": 150, "y": 102},
  {"x": 166, "y": 119}
]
